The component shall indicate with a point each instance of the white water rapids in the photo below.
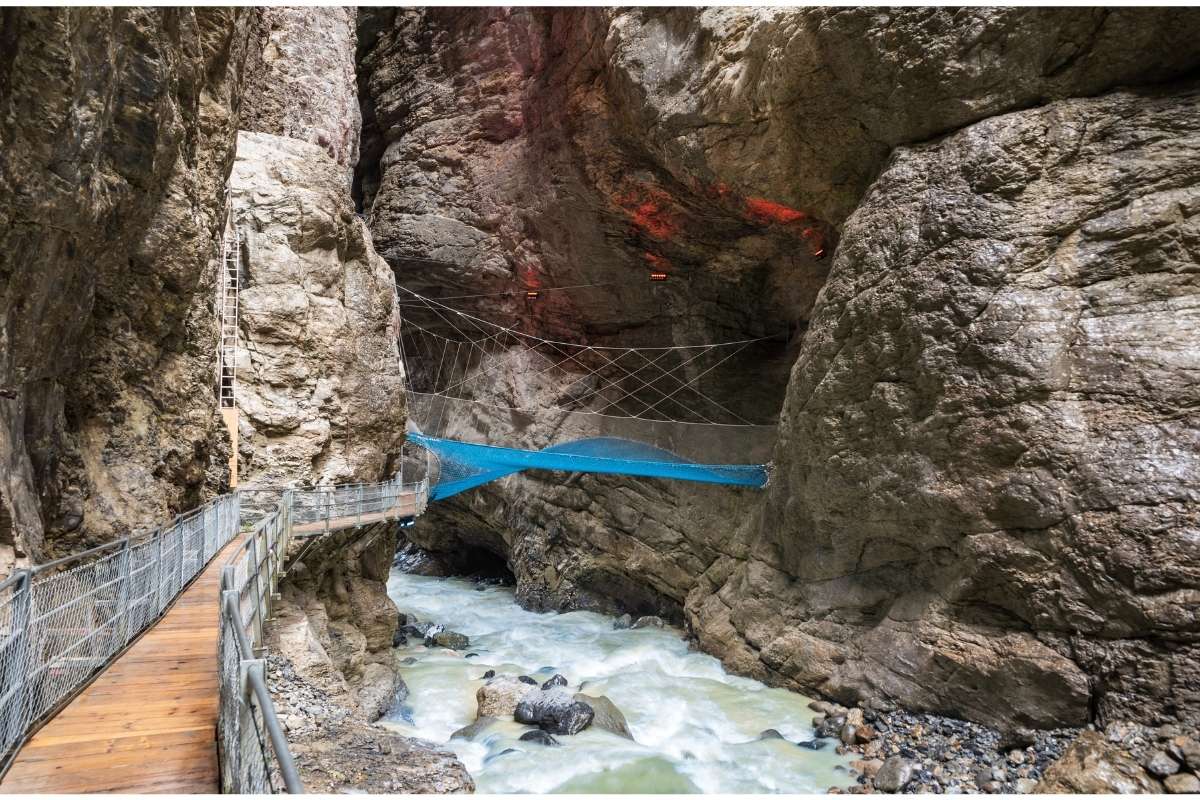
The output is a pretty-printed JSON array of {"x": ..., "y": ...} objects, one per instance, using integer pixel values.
[{"x": 696, "y": 726}]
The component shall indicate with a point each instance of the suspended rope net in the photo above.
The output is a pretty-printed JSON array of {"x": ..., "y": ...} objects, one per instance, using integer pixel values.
[{"x": 489, "y": 400}]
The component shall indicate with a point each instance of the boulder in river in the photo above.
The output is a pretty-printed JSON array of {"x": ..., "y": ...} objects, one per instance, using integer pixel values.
[
  {"x": 527, "y": 679},
  {"x": 499, "y": 696},
  {"x": 557, "y": 680},
  {"x": 555, "y": 710},
  {"x": 648, "y": 622},
  {"x": 475, "y": 728},
  {"x": 623, "y": 622},
  {"x": 450, "y": 639},
  {"x": 606, "y": 715},
  {"x": 541, "y": 737}
]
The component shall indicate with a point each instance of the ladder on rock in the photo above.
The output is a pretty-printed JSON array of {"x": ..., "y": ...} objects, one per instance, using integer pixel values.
[
  {"x": 231, "y": 261},
  {"x": 231, "y": 268}
]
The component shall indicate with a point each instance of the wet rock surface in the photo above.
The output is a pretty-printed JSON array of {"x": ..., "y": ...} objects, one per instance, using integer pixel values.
[
  {"x": 500, "y": 695},
  {"x": 606, "y": 715},
  {"x": 554, "y": 710}
]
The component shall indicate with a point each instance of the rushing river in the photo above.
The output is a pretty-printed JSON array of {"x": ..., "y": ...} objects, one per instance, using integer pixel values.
[{"x": 696, "y": 726}]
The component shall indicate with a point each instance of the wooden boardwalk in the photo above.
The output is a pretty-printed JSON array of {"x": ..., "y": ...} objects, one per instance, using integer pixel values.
[{"x": 149, "y": 722}]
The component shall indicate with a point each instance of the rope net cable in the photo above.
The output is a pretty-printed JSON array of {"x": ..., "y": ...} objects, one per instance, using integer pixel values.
[
  {"x": 495, "y": 364},
  {"x": 487, "y": 400}
]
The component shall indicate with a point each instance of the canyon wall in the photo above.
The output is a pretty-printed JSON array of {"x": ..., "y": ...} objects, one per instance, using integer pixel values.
[
  {"x": 320, "y": 389},
  {"x": 116, "y": 135},
  {"x": 979, "y": 508}
]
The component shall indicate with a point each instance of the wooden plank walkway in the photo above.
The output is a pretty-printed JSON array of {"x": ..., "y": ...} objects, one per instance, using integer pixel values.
[{"x": 149, "y": 722}]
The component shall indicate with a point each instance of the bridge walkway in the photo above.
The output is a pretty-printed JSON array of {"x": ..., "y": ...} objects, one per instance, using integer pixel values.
[
  {"x": 148, "y": 722},
  {"x": 403, "y": 506}
]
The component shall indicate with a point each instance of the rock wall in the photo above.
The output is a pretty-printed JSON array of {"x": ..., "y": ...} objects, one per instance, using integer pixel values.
[
  {"x": 300, "y": 80},
  {"x": 985, "y": 497},
  {"x": 320, "y": 389},
  {"x": 116, "y": 135},
  {"x": 958, "y": 522}
]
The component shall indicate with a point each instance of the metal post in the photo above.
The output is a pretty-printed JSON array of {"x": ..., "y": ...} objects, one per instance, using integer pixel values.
[
  {"x": 126, "y": 590},
  {"x": 255, "y": 674},
  {"x": 18, "y": 676},
  {"x": 258, "y": 620},
  {"x": 158, "y": 573},
  {"x": 178, "y": 530}
]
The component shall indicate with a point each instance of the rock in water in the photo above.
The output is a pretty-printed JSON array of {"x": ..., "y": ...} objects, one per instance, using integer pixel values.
[
  {"x": 648, "y": 622},
  {"x": 894, "y": 775},
  {"x": 481, "y": 724},
  {"x": 499, "y": 696},
  {"x": 554, "y": 710},
  {"x": 1091, "y": 765},
  {"x": 623, "y": 622},
  {"x": 606, "y": 715},
  {"x": 449, "y": 639},
  {"x": 528, "y": 680},
  {"x": 557, "y": 680},
  {"x": 541, "y": 737}
]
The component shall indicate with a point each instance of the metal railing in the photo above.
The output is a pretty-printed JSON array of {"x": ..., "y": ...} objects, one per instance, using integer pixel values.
[
  {"x": 356, "y": 504},
  {"x": 63, "y": 621},
  {"x": 254, "y": 754}
]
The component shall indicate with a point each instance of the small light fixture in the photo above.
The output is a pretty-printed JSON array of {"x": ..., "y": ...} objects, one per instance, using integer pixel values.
[
  {"x": 658, "y": 277},
  {"x": 532, "y": 295}
]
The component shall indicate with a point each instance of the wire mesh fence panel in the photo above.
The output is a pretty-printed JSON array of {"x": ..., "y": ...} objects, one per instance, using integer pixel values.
[
  {"x": 62, "y": 622},
  {"x": 254, "y": 756}
]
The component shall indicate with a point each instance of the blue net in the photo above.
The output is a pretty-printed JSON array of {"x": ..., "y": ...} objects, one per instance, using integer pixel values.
[{"x": 465, "y": 465}]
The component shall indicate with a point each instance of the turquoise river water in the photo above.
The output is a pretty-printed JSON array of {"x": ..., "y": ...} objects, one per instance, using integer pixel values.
[{"x": 696, "y": 726}]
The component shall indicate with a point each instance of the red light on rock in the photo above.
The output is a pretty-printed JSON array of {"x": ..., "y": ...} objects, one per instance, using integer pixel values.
[
  {"x": 658, "y": 277},
  {"x": 769, "y": 211}
]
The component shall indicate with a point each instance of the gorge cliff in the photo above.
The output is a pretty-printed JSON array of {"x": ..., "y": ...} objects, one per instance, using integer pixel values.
[{"x": 972, "y": 242}]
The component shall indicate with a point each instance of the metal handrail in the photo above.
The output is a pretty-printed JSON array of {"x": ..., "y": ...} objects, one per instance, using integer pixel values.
[
  {"x": 64, "y": 621},
  {"x": 252, "y": 742}
]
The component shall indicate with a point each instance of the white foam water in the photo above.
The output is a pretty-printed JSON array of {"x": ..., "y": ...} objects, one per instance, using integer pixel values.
[{"x": 696, "y": 727}]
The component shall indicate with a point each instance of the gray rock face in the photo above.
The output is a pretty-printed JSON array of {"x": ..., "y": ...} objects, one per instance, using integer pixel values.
[
  {"x": 981, "y": 490},
  {"x": 118, "y": 129},
  {"x": 301, "y": 81},
  {"x": 320, "y": 389},
  {"x": 989, "y": 432}
]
